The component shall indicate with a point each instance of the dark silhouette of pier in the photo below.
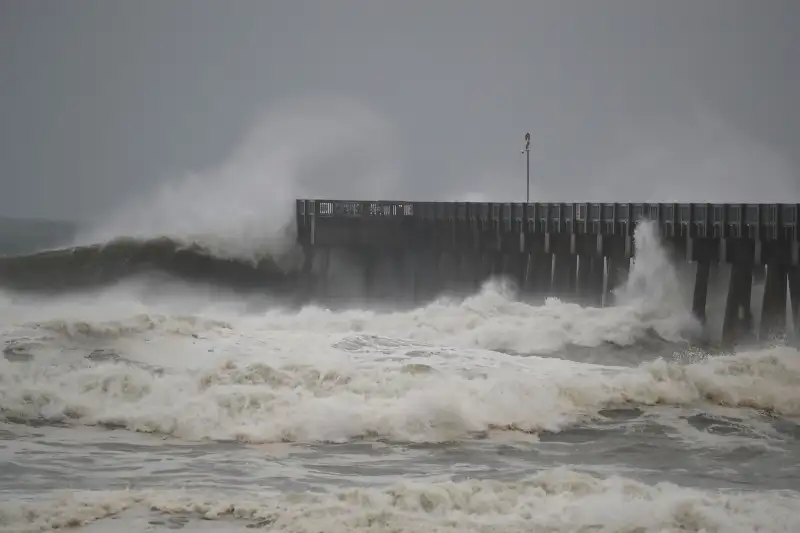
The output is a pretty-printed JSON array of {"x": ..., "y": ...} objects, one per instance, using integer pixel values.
[{"x": 576, "y": 251}]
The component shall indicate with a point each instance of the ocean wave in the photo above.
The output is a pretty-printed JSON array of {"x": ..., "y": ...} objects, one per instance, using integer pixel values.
[
  {"x": 106, "y": 263},
  {"x": 555, "y": 500},
  {"x": 491, "y": 319},
  {"x": 436, "y": 373},
  {"x": 340, "y": 400}
]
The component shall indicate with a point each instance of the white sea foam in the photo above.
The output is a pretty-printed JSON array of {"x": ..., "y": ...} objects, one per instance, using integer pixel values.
[
  {"x": 557, "y": 500},
  {"x": 294, "y": 386},
  {"x": 492, "y": 319},
  {"x": 430, "y": 374}
]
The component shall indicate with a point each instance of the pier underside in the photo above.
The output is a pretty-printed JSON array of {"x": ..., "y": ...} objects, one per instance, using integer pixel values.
[{"x": 739, "y": 263}]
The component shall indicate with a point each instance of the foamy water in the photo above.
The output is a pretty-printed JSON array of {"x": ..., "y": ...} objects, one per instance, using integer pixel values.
[
  {"x": 558, "y": 499},
  {"x": 150, "y": 409}
]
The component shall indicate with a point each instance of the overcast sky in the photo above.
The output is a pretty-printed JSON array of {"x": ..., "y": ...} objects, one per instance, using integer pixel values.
[{"x": 102, "y": 102}]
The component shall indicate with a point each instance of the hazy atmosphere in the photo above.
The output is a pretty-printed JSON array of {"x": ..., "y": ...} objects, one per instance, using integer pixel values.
[
  {"x": 183, "y": 347},
  {"x": 237, "y": 105}
]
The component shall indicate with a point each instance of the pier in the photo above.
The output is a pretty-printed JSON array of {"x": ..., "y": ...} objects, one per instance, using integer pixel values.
[{"x": 575, "y": 251}]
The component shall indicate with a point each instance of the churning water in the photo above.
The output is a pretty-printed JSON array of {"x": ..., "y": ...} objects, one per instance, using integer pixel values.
[{"x": 155, "y": 404}]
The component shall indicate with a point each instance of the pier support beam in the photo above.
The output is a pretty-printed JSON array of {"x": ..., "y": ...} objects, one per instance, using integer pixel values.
[
  {"x": 700, "y": 252},
  {"x": 564, "y": 272},
  {"x": 450, "y": 271},
  {"x": 497, "y": 263},
  {"x": 469, "y": 271},
  {"x": 700, "y": 297},
  {"x": 539, "y": 273},
  {"x": 619, "y": 268},
  {"x": 597, "y": 278},
  {"x": 320, "y": 274},
  {"x": 369, "y": 262},
  {"x": 306, "y": 288},
  {"x": 794, "y": 291},
  {"x": 590, "y": 281},
  {"x": 583, "y": 283},
  {"x": 515, "y": 266},
  {"x": 487, "y": 263},
  {"x": 425, "y": 275},
  {"x": 773, "y": 310},
  {"x": 527, "y": 263},
  {"x": 540, "y": 264},
  {"x": 619, "y": 264},
  {"x": 738, "y": 316},
  {"x": 565, "y": 266},
  {"x": 597, "y": 282}
]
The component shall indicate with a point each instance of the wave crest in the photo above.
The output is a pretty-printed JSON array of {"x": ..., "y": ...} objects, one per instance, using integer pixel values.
[
  {"x": 294, "y": 401},
  {"x": 111, "y": 262}
]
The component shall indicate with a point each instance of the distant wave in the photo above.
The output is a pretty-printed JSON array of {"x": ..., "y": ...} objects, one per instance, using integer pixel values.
[{"x": 106, "y": 263}]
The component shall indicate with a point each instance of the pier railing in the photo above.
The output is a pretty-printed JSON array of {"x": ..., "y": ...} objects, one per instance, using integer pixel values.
[{"x": 756, "y": 221}]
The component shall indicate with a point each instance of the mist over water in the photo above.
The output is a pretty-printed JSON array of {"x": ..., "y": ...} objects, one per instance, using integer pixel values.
[{"x": 244, "y": 207}]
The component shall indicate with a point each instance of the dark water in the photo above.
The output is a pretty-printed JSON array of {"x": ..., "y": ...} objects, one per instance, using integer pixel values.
[{"x": 102, "y": 265}]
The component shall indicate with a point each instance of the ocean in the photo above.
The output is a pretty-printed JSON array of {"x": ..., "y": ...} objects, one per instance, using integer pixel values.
[{"x": 135, "y": 397}]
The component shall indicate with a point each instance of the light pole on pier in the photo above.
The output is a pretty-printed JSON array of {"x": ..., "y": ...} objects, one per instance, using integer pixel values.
[{"x": 527, "y": 152}]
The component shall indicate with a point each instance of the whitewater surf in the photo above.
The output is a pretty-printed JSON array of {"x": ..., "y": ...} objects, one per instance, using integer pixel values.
[{"x": 177, "y": 403}]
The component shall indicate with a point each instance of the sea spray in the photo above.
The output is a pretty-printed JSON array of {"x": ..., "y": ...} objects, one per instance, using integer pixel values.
[
  {"x": 653, "y": 287},
  {"x": 244, "y": 207}
]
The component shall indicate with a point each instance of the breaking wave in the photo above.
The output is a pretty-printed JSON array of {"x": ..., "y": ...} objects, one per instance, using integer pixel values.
[
  {"x": 120, "y": 259},
  {"x": 195, "y": 368},
  {"x": 230, "y": 223},
  {"x": 554, "y": 500},
  {"x": 273, "y": 378}
]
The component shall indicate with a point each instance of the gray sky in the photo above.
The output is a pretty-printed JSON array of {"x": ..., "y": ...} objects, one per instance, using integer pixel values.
[{"x": 627, "y": 100}]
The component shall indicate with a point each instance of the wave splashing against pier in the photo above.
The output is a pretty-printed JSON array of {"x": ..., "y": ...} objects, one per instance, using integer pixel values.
[{"x": 454, "y": 415}]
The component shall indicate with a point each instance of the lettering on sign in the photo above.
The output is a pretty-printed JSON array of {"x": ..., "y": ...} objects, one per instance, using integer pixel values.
[
  {"x": 349, "y": 208},
  {"x": 379, "y": 210}
]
